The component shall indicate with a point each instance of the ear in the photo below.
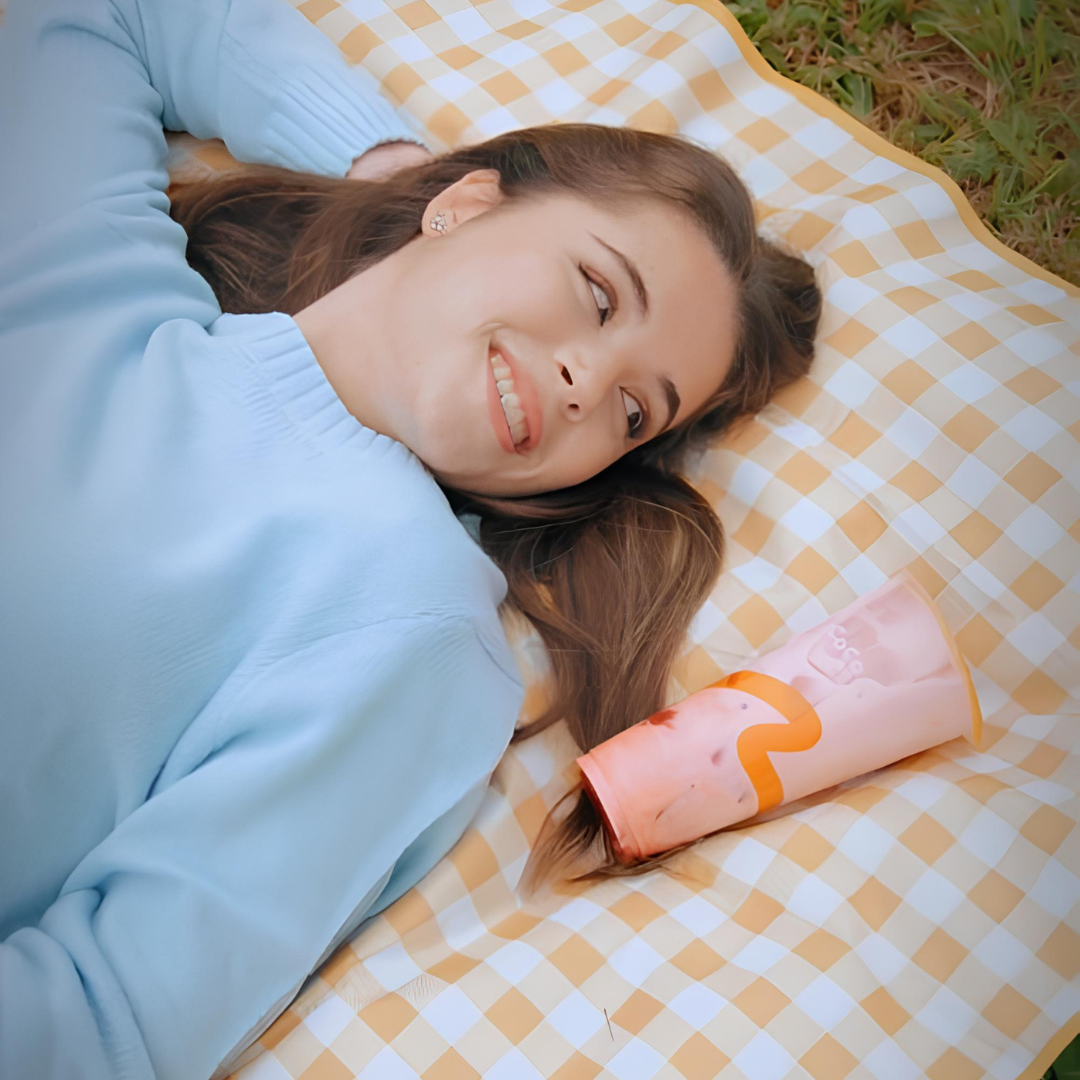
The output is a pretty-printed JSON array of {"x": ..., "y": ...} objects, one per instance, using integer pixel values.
[{"x": 474, "y": 194}]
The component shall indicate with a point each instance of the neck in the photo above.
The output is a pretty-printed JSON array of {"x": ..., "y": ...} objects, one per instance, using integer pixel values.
[{"x": 343, "y": 329}]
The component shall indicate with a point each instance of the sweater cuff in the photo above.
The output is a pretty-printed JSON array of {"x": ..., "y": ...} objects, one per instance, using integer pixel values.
[{"x": 324, "y": 123}]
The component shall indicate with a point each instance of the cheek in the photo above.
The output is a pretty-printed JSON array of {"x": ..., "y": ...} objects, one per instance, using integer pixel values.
[
  {"x": 525, "y": 291},
  {"x": 586, "y": 454}
]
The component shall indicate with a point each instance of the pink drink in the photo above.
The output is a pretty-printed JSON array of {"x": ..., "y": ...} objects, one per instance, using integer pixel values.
[{"x": 878, "y": 681}]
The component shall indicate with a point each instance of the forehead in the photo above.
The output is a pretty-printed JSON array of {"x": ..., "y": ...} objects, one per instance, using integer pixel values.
[{"x": 689, "y": 333}]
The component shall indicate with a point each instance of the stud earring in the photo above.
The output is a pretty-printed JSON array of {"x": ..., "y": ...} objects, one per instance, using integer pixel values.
[{"x": 438, "y": 222}]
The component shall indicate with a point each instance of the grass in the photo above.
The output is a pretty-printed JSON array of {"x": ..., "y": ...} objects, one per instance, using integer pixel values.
[
  {"x": 988, "y": 90},
  {"x": 1067, "y": 1066}
]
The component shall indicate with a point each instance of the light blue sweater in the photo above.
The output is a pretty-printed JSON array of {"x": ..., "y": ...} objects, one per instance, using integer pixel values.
[{"x": 252, "y": 679}]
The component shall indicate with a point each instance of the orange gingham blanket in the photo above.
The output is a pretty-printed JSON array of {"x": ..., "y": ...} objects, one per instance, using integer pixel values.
[{"x": 922, "y": 921}]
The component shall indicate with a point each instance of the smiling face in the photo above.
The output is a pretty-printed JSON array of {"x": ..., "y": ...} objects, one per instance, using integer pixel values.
[{"x": 531, "y": 344}]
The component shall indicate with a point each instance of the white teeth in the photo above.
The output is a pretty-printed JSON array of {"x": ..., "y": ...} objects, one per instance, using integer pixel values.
[{"x": 511, "y": 403}]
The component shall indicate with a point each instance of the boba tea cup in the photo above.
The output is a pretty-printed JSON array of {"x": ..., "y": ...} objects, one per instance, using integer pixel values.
[{"x": 876, "y": 682}]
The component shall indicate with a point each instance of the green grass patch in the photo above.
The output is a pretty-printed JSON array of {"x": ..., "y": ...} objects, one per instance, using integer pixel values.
[
  {"x": 1067, "y": 1066},
  {"x": 987, "y": 90}
]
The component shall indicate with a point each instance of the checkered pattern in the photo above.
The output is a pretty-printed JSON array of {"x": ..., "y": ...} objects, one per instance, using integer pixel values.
[{"x": 922, "y": 921}]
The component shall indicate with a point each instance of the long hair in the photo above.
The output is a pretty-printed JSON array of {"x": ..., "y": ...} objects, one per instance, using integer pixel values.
[{"x": 610, "y": 571}]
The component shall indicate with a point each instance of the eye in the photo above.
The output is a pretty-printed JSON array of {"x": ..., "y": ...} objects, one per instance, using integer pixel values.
[
  {"x": 603, "y": 302},
  {"x": 634, "y": 415}
]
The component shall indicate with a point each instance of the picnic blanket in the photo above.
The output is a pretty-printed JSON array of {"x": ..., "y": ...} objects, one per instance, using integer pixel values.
[{"x": 921, "y": 921}]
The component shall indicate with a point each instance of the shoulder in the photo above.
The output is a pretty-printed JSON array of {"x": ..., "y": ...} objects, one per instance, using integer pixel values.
[
  {"x": 431, "y": 567},
  {"x": 435, "y": 680},
  {"x": 410, "y": 550}
]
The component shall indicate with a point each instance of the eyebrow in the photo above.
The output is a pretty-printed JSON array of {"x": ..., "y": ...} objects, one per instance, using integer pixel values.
[
  {"x": 634, "y": 274},
  {"x": 673, "y": 401},
  {"x": 642, "y": 293}
]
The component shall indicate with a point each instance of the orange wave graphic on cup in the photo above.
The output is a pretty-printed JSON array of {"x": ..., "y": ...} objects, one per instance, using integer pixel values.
[{"x": 801, "y": 732}]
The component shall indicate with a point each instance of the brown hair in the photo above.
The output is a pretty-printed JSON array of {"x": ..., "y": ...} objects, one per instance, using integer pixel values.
[{"x": 611, "y": 571}]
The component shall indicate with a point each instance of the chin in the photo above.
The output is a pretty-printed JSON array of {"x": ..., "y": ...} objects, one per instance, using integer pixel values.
[
  {"x": 452, "y": 478},
  {"x": 492, "y": 489}
]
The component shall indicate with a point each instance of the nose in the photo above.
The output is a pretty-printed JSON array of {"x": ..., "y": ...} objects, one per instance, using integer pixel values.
[{"x": 583, "y": 385}]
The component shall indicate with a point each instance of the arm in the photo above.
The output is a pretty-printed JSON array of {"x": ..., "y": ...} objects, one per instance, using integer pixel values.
[
  {"x": 214, "y": 900},
  {"x": 86, "y": 85},
  {"x": 258, "y": 75}
]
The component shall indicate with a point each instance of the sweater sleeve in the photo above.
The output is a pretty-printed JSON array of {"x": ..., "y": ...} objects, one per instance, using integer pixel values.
[
  {"x": 210, "y": 903},
  {"x": 86, "y": 86}
]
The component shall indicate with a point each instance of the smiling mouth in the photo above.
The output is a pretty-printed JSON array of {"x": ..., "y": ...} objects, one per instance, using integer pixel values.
[{"x": 511, "y": 403}]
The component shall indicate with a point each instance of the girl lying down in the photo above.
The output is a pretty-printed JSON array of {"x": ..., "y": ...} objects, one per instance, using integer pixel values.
[{"x": 237, "y": 602}]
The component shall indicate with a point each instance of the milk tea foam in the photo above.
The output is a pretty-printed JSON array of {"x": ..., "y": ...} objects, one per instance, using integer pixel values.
[{"x": 878, "y": 681}]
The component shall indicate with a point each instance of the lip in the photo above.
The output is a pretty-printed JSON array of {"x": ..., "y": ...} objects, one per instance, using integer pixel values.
[{"x": 530, "y": 403}]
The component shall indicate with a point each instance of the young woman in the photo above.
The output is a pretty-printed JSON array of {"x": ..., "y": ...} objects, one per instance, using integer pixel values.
[{"x": 236, "y": 604}]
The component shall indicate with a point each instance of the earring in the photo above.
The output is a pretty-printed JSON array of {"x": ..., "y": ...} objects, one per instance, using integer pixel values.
[{"x": 438, "y": 222}]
